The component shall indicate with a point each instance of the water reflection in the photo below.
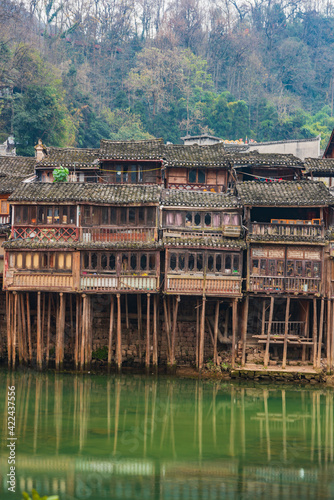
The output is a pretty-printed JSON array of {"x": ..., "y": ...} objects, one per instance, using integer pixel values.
[{"x": 132, "y": 437}]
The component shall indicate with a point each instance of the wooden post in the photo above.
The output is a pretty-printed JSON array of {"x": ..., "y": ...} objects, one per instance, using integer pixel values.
[
  {"x": 111, "y": 330},
  {"x": 83, "y": 331},
  {"x": 271, "y": 312},
  {"x": 244, "y": 330},
  {"x": 39, "y": 333},
  {"x": 139, "y": 319},
  {"x": 89, "y": 333},
  {"x": 263, "y": 326},
  {"x": 314, "y": 332},
  {"x": 60, "y": 333},
  {"x": 234, "y": 329},
  {"x": 321, "y": 330},
  {"x": 329, "y": 329},
  {"x": 43, "y": 322},
  {"x": 19, "y": 329},
  {"x": 48, "y": 331},
  {"x": 306, "y": 329},
  {"x": 176, "y": 307},
  {"x": 155, "y": 332},
  {"x": 71, "y": 315},
  {"x": 24, "y": 330},
  {"x": 14, "y": 331},
  {"x": 29, "y": 327},
  {"x": 332, "y": 340},
  {"x": 9, "y": 303},
  {"x": 126, "y": 312},
  {"x": 197, "y": 332},
  {"x": 119, "y": 334},
  {"x": 215, "y": 333},
  {"x": 286, "y": 329},
  {"x": 167, "y": 327},
  {"x": 148, "y": 346},
  {"x": 201, "y": 336}
]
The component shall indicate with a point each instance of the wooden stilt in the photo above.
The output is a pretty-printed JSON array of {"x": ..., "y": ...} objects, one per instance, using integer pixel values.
[
  {"x": 227, "y": 314},
  {"x": 60, "y": 333},
  {"x": 126, "y": 312},
  {"x": 19, "y": 329},
  {"x": 119, "y": 334},
  {"x": 286, "y": 330},
  {"x": 244, "y": 330},
  {"x": 314, "y": 333},
  {"x": 9, "y": 326},
  {"x": 14, "y": 331},
  {"x": 43, "y": 322},
  {"x": 48, "y": 332},
  {"x": 83, "y": 331},
  {"x": 24, "y": 329},
  {"x": 176, "y": 307},
  {"x": 329, "y": 329},
  {"x": 139, "y": 319},
  {"x": 71, "y": 315},
  {"x": 306, "y": 329},
  {"x": 271, "y": 312},
  {"x": 111, "y": 330},
  {"x": 321, "y": 330},
  {"x": 88, "y": 343},
  {"x": 197, "y": 332},
  {"x": 332, "y": 341},
  {"x": 215, "y": 334},
  {"x": 155, "y": 332},
  {"x": 234, "y": 329},
  {"x": 167, "y": 327},
  {"x": 201, "y": 336},
  {"x": 39, "y": 336},
  {"x": 263, "y": 325},
  {"x": 148, "y": 346}
]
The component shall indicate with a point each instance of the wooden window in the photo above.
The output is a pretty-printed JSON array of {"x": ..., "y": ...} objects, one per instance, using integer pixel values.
[
  {"x": 196, "y": 176},
  {"x": 4, "y": 207}
]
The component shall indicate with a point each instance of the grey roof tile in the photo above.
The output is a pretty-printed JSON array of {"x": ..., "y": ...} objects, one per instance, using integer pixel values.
[
  {"x": 70, "y": 158},
  {"x": 17, "y": 166}
]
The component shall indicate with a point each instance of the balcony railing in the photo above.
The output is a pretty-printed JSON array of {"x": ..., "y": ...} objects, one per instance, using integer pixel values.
[
  {"x": 25, "y": 281},
  {"x": 299, "y": 230},
  {"x": 278, "y": 327},
  {"x": 128, "y": 235},
  {"x": 45, "y": 234},
  {"x": 100, "y": 283},
  {"x": 198, "y": 285},
  {"x": 281, "y": 284},
  {"x": 4, "y": 219}
]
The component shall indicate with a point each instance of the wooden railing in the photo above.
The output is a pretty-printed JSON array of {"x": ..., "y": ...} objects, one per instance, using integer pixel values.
[
  {"x": 199, "y": 285},
  {"x": 278, "y": 327},
  {"x": 47, "y": 282},
  {"x": 281, "y": 284},
  {"x": 120, "y": 234},
  {"x": 258, "y": 228},
  {"x": 4, "y": 219},
  {"x": 45, "y": 234},
  {"x": 100, "y": 283}
]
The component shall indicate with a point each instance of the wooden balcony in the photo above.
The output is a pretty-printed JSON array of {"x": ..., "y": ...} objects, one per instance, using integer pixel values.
[
  {"x": 105, "y": 283},
  {"x": 299, "y": 230},
  {"x": 38, "y": 281},
  {"x": 45, "y": 234},
  {"x": 280, "y": 284},
  {"x": 198, "y": 285},
  {"x": 126, "y": 235},
  {"x": 4, "y": 219}
]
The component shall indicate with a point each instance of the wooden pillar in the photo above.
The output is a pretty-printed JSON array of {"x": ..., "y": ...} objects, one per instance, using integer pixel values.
[
  {"x": 244, "y": 330},
  {"x": 19, "y": 329},
  {"x": 126, "y": 312},
  {"x": 286, "y": 329},
  {"x": 271, "y": 312},
  {"x": 215, "y": 333},
  {"x": 119, "y": 334},
  {"x": 234, "y": 329},
  {"x": 76, "y": 343},
  {"x": 89, "y": 333},
  {"x": 306, "y": 329},
  {"x": 201, "y": 336},
  {"x": 329, "y": 329},
  {"x": 139, "y": 320},
  {"x": 155, "y": 331},
  {"x": 111, "y": 330},
  {"x": 148, "y": 345},
  {"x": 314, "y": 333},
  {"x": 48, "y": 331},
  {"x": 263, "y": 326},
  {"x": 24, "y": 330},
  {"x": 197, "y": 332},
  {"x": 83, "y": 331},
  {"x": 332, "y": 340},
  {"x": 176, "y": 308},
  {"x": 60, "y": 333},
  {"x": 167, "y": 327},
  {"x": 14, "y": 331},
  {"x": 9, "y": 303},
  {"x": 29, "y": 327},
  {"x": 321, "y": 330},
  {"x": 39, "y": 356}
]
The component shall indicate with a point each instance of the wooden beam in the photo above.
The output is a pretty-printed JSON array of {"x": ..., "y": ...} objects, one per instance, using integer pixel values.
[
  {"x": 271, "y": 312},
  {"x": 83, "y": 331},
  {"x": 139, "y": 315},
  {"x": 286, "y": 329},
  {"x": 314, "y": 333},
  {"x": 119, "y": 334},
  {"x": 234, "y": 329},
  {"x": 167, "y": 328},
  {"x": 14, "y": 331},
  {"x": 201, "y": 336},
  {"x": 111, "y": 330},
  {"x": 148, "y": 346},
  {"x": 19, "y": 329},
  {"x": 48, "y": 331},
  {"x": 329, "y": 329},
  {"x": 197, "y": 332},
  {"x": 39, "y": 356},
  {"x": 155, "y": 331},
  {"x": 332, "y": 340},
  {"x": 24, "y": 330},
  {"x": 215, "y": 334},
  {"x": 9, "y": 326},
  {"x": 321, "y": 330},
  {"x": 244, "y": 330},
  {"x": 176, "y": 308},
  {"x": 263, "y": 325},
  {"x": 60, "y": 333},
  {"x": 306, "y": 328},
  {"x": 126, "y": 312}
]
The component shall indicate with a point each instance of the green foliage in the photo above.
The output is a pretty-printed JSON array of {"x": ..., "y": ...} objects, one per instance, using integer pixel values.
[
  {"x": 125, "y": 125},
  {"x": 35, "y": 496},
  {"x": 60, "y": 174},
  {"x": 101, "y": 353}
]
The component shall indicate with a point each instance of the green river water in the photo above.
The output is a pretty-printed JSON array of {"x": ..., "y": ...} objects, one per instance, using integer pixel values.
[{"x": 137, "y": 437}]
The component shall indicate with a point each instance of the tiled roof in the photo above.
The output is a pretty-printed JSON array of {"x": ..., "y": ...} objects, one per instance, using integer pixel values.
[
  {"x": 210, "y": 242},
  {"x": 70, "y": 158},
  {"x": 8, "y": 184},
  {"x": 80, "y": 192},
  {"x": 190, "y": 198},
  {"x": 17, "y": 166},
  {"x": 315, "y": 240},
  {"x": 319, "y": 165},
  {"x": 262, "y": 159},
  {"x": 77, "y": 245},
  {"x": 284, "y": 193},
  {"x": 194, "y": 155},
  {"x": 132, "y": 150}
]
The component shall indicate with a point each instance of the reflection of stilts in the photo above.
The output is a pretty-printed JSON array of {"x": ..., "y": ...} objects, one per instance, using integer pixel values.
[
  {"x": 265, "y": 400},
  {"x": 243, "y": 422},
  {"x": 111, "y": 330},
  {"x": 313, "y": 427},
  {"x": 36, "y": 418},
  {"x": 200, "y": 420},
  {"x": 284, "y": 424},
  {"x": 232, "y": 423},
  {"x": 117, "y": 406}
]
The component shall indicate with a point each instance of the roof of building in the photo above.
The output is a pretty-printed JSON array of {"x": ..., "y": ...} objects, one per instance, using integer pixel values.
[
  {"x": 70, "y": 158},
  {"x": 74, "y": 245},
  {"x": 200, "y": 199},
  {"x": 213, "y": 155},
  {"x": 8, "y": 184},
  {"x": 284, "y": 193},
  {"x": 309, "y": 240},
  {"x": 209, "y": 242},
  {"x": 17, "y": 166},
  {"x": 131, "y": 150},
  {"x": 254, "y": 158},
  {"x": 319, "y": 166},
  {"x": 85, "y": 192}
]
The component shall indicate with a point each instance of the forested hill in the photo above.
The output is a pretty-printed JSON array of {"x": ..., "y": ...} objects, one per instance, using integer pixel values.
[{"x": 75, "y": 71}]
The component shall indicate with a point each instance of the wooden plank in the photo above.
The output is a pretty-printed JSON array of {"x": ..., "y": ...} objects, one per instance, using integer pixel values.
[
  {"x": 271, "y": 312},
  {"x": 148, "y": 346},
  {"x": 286, "y": 328},
  {"x": 244, "y": 330},
  {"x": 321, "y": 330},
  {"x": 314, "y": 333},
  {"x": 234, "y": 329}
]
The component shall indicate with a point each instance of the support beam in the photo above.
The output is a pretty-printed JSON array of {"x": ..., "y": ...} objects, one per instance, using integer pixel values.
[
  {"x": 126, "y": 312},
  {"x": 60, "y": 333},
  {"x": 14, "y": 331},
  {"x": 111, "y": 330},
  {"x": 19, "y": 329},
  {"x": 201, "y": 336},
  {"x": 234, "y": 329},
  {"x": 263, "y": 325},
  {"x": 83, "y": 331},
  {"x": 24, "y": 329},
  {"x": 76, "y": 344},
  {"x": 329, "y": 329},
  {"x": 140, "y": 325},
  {"x": 167, "y": 328},
  {"x": 215, "y": 334},
  {"x": 286, "y": 330},
  {"x": 314, "y": 333},
  {"x": 244, "y": 330},
  {"x": 9, "y": 303},
  {"x": 332, "y": 341},
  {"x": 155, "y": 331},
  {"x": 119, "y": 334},
  {"x": 39, "y": 356},
  {"x": 197, "y": 332},
  {"x": 271, "y": 312},
  {"x": 148, "y": 345},
  {"x": 306, "y": 329},
  {"x": 176, "y": 308},
  {"x": 48, "y": 331},
  {"x": 321, "y": 330}
]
